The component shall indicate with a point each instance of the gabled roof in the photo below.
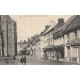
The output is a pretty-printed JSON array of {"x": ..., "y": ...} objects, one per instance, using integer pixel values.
[
  {"x": 35, "y": 39},
  {"x": 58, "y": 30},
  {"x": 72, "y": 23},
  {"x": 58, "y": 27},
  {"x": 48, "y": 30}
]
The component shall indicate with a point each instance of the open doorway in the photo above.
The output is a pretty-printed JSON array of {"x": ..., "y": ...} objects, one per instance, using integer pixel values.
[{"x": 62, "y": 52}]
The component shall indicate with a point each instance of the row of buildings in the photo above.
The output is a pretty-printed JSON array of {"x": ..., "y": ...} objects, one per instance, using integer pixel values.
[
  {"x": 58, "y": 41},
  {"x": 8, "y": 36}
]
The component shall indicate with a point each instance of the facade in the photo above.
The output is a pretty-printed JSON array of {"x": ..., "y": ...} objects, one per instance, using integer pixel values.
[
  {"x": 20, "y": 47},
  {"x": 8, "y": 36},
  {"x": 58, "y": 39},
  {"x": 36, "y": 44},
  {"x": 72, "y": 39},
  {"x": 39, "y": 46},
  {"x": 66, "y": 40},
  {"x": 0, "y": 43},
  {"x": 60, "y": 42},
  {"x": 48, "y": 44}
]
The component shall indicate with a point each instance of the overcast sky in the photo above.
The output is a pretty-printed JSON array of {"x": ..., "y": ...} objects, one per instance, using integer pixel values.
[{"x": 28, "y": 26}]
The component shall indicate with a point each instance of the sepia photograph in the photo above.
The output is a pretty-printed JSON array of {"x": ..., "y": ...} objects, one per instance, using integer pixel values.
[{"x": 39, "y": 39}]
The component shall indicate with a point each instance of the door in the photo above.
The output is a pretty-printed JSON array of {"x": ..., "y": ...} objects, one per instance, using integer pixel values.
[
  {"x": 77, "y": 54},
  {"x": 62, "y": 52}
]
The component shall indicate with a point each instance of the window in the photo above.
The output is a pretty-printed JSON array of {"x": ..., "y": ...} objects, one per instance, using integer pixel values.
[
  {"x": 51, "y": 39},
  {"x": 68, "y": 37},
  {"x": 79, "y": 33},
  {"x": 75, "y": 34}
]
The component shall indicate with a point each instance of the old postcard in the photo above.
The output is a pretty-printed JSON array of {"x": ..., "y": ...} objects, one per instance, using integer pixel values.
[{"x": 39, "y": 39}]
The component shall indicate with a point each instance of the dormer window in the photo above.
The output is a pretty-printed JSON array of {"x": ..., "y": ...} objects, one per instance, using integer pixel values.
[{"x": 75, "y": 34}]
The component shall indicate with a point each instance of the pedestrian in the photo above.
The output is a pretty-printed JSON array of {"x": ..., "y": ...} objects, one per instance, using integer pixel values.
[
  {"x": 58, "y": 56},
  {"x": 22, "y": 60},
  {"x": 25, "y": 60},
  {"x": 14, "y": 57}
]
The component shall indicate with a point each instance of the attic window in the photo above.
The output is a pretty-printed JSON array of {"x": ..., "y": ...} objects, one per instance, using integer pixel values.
[{"x": 75, "y": 34}]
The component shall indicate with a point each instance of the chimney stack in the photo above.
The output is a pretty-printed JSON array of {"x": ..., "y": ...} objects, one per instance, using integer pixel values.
[
  {"x": 46, "y": 27},
  {"x": 61, "y": 20}
]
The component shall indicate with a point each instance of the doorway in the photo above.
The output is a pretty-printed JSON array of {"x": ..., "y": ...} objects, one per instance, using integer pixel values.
[{"x": 62, "y": 52}]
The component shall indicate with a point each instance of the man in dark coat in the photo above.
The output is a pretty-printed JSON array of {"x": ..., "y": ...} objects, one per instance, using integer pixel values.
[
  {"x": 22, "y": 60},
  {"x": 25, "y": 60}
]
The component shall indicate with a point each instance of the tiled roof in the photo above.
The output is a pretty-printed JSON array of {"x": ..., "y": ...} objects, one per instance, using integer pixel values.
[
  {"x": 72, "y": 23},
  {"x": 35, "y": 39},
  {"x": 49, "y": 29},
  {"x": 59, "y": 29}
]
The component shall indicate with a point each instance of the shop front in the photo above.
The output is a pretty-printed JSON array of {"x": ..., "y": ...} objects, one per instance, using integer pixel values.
[
  {"x": 59, "y": 50},
  {"x": 75, "y": 52},
  {"x": 48, "y": 52}
]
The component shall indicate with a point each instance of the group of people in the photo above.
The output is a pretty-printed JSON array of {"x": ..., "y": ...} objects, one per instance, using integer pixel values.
[{"x": 23, "y": 60}]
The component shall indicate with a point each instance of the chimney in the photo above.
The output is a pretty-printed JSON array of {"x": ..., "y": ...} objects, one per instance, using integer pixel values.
[
  {"x": 61, "y": 20},
  {"x": 46, "y": 27}
]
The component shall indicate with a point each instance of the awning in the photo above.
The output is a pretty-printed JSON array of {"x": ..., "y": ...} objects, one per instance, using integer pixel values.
[
  {"x": 75, "y": 42},
  {"x": 58, "y": 46},
  {"x": 50, "y": 47}
]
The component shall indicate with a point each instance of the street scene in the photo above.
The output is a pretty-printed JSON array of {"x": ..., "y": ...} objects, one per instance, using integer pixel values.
[
  {"x": 39, "y": 39},
  {"x": 32, "y": 61}
]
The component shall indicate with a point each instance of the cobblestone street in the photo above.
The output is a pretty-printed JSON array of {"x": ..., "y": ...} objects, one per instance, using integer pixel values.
[{"x": 31, "y": 61}]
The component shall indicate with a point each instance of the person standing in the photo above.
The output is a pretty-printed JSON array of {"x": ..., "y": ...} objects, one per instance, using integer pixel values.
[
  {"x": 22, "y": 60},
  {"x": 14, "y": 57},
  {"x": 25, "y": 60},
  {"x": 57, "y": 55}
]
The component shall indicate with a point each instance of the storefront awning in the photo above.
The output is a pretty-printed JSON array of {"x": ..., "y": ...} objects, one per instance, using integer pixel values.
[
  {"x": 50, "y": 47},
  {"x": 58, "y": 46}
]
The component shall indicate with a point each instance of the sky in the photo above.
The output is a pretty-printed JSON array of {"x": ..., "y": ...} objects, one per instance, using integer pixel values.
[{"x": 29, "y": 25}]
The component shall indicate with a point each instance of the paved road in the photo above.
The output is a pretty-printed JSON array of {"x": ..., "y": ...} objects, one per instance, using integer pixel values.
[{"x": 30, "y": 61}]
